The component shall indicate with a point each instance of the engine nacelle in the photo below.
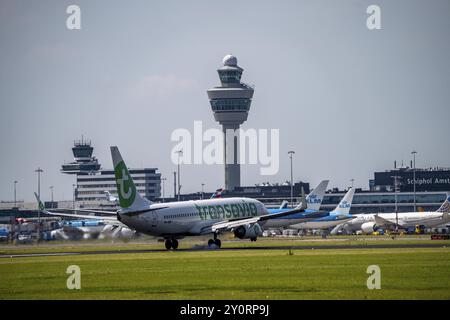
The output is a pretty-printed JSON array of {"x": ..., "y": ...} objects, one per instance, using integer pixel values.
[
  {"x": 369, "y": 227},
  {"x": 248, "y": 231}
]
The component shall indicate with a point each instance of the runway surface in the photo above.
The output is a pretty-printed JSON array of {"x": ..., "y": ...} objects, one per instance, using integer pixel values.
[{"x": 205, "y": 248}]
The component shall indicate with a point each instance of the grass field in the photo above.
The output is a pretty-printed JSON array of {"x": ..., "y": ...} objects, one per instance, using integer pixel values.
[{"x": 241, "y": 274}]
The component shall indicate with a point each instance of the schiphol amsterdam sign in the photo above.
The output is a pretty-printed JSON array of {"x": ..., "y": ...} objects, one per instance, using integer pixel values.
[{"x": 429, "y": 181}]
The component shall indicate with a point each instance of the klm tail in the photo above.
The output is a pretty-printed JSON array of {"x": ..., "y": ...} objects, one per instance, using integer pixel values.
[
  {"x": 345, "y": 204},
  {"x": 445, "y": 207},
  {"x": 129, "y": 198},
  {"x": 315, "y": 197}
]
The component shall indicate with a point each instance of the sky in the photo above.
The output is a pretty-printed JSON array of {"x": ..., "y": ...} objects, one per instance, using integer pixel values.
[{"x": 348, "y": 100}]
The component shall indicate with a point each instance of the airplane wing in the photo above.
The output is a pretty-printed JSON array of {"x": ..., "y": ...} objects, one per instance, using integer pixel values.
[
  {"x": 384, "y": 222},
  {"x": 107, "y": 220},
  {"x": 230, "y": 224},
  {"x": 90, "y": 211}
]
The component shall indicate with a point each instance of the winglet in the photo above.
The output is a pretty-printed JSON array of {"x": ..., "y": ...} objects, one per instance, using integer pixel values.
[{"x": 303, "y": 204}]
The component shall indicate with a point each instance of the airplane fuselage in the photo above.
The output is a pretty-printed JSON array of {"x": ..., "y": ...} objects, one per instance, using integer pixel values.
[
  {"x": 190, "y": 217},
  {"x": 406, "y": 219}
]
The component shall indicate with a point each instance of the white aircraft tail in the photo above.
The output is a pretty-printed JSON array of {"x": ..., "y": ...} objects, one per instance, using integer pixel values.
[
  {"x": 129, "y": 198},
  {"x": 315, "y": 197},
  {"x": 345, "y": 204},
  {"x": 445, "y": 207}
]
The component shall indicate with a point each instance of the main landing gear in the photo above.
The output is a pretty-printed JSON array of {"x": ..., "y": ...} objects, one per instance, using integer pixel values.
[
  {"x": 171, "y": 244},
  {"x": 214, "y": 241}
]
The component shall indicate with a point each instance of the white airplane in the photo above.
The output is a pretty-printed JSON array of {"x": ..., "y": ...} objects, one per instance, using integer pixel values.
[
  {"x": 110, "y": 197},
  {"x": 339, "y": 215},
  {"x": 369, "y": 223},
  {"x": 244, "y": 217}
]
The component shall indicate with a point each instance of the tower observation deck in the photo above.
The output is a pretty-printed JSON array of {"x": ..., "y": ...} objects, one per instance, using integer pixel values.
[
  {"x": 230, "y": 103},
  {"x": 84, "y": 163}
]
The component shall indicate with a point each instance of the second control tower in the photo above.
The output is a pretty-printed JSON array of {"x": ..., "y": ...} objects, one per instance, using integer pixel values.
[{"x": 230, "y": 103}]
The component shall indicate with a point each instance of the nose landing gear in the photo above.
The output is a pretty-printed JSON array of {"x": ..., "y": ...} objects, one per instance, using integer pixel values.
[{"x": 214, "y": 241}]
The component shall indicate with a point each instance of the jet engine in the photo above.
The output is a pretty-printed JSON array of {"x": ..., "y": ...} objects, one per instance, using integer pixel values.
[
  {"x": 249, "y": 231},
  {"x": 369, "y": 227}
]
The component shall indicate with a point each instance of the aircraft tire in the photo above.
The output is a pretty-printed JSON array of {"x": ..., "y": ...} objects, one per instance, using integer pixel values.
[
  {"x": 174, "y": 244},
  {"x": 168, "y": 244}
]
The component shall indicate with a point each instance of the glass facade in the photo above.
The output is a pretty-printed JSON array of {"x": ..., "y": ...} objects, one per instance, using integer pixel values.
[
  {"x": 230, "y": 76},
  {"x": 230, "y": 104}
]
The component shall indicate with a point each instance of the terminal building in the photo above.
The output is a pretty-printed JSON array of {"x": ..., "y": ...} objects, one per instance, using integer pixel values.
[
  {"x": 427, "y": 180},
  {"x": 93, "y": 187}
]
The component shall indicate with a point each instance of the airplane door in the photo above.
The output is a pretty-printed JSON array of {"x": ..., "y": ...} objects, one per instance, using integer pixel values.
[{"x": 154, "y": 219}]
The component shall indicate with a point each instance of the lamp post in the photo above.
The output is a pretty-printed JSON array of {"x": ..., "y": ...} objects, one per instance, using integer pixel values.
[
  {"x": 396, "y": 206},
  {"x": 352, "y": 180},
  {"x": 162, "y": 180},
  {"x": 15, "y": 194},
  {"x": 73, "y": 196},
  {"x": 290, "y": 153},
  {"x": 51, "y": 189},
  {"x": 180, "y": 152},
  {"x": 202, "y": 189},
  {"x": 414, "y": 177},
  {"x": 39, "y": 171}
]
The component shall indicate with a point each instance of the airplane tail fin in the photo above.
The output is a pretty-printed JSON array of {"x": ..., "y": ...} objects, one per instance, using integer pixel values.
[
  {"x": 315, "y": 197},
  {"x": 445, "y": 207},
  {"x": 217, "y": 194},
  {"x": 303, "y": 203},
  {"x": 345, "y": 204},
  {"x": 129, "y": 198},
  {"x": 284, "y": 204},
  {"x": 40, "y": 204}
]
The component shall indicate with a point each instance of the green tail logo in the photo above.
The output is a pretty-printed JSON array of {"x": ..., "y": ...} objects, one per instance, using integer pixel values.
[
  {"x": 41, "y": 205},
  {"x": 125, "y": 186}
]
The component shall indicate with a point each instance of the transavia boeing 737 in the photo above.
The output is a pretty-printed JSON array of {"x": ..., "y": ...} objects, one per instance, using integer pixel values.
[{"x": 244, "y": 217}]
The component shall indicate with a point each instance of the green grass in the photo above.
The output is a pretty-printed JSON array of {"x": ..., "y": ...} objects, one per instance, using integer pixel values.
[{"x": 246, "y": 274}]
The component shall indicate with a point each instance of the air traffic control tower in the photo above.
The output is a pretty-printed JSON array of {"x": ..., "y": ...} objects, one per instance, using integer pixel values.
[{"x": 230, "y": 103}]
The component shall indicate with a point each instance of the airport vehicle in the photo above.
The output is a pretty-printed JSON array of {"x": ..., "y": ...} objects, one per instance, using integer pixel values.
[
  {"x": 370, "y": 223},
  {"x": 339, "y": 215},
  {"x": 4, "y": 234},
  {"x": 244, "y": 217}
]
